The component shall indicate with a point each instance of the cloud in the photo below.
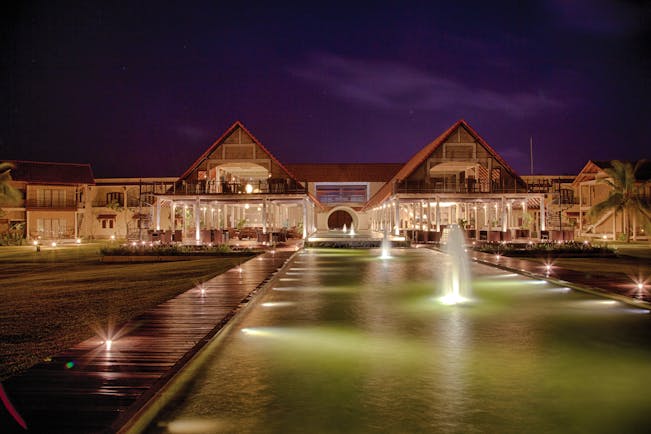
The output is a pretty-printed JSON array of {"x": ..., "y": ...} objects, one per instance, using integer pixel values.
[
  {"x": 392, "y": 85},
  {"x": 191, "y": 132}
]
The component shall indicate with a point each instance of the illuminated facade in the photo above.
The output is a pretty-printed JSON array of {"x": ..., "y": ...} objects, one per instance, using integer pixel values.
[{"x": 237, "y": 189}]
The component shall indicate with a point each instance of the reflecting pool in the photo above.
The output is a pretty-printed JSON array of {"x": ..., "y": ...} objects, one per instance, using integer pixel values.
[{"x": 347, "y": 342}]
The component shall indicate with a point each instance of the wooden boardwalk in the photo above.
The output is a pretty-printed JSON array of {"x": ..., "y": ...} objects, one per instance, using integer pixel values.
[
  {"x": 89, "y": 388},
  {"x": 615, "y": 285}
]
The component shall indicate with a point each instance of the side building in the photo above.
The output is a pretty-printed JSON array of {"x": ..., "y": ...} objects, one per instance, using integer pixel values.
[{"x": 50, "y": 207}]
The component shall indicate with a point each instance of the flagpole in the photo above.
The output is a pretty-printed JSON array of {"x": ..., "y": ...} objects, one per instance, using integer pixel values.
[{"x": 531, "y": 153}]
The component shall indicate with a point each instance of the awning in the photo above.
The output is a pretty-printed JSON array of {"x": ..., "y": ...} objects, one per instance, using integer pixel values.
[{"x": 105, "y": 216}]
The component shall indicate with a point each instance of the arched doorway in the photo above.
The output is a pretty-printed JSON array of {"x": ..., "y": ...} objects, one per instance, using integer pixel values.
[{"x": 339, "y": 218}]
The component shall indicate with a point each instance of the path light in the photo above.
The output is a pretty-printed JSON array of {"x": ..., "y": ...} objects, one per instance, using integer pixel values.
[
  {"x": 54, "y": 244},
  {"x": 112, "y": 237},
  {"x": 35, "y": 242},
  {"x": 640, "y": 286},
  {"x": 78, "y": 241},
  {"x": 498, "y": 256}
]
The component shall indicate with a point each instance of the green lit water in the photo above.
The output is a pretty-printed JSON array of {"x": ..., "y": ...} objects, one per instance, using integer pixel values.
[{"x": 346, "y": 342}]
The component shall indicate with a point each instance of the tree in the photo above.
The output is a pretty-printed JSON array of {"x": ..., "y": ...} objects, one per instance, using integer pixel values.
[
  {"x": 7, "y": 192},
  {"x": 625, "y": 194}
]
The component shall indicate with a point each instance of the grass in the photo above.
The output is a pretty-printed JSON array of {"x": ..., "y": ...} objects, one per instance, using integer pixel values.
[{"x": 58, "y": 297}]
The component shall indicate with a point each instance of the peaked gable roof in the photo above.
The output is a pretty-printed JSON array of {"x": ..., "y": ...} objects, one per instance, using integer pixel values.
[
  {"x": 422, "y": 155},
  {"x": 51, "y": 173},
  {"x": 595, "y": 167},
  {"x": 217, "y": 143}
]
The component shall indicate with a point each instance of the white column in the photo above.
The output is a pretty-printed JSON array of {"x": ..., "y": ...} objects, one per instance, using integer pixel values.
[
  {"x": 185, "y": 223},
  {"x": 580, "y": 209},
  {"x": 197, "y": 221},
  {"x": 305, "y": 219},
  {"x": 397, "y": 205},
  {"x": 76, "y": 224},
  {"x": 505, "y": 219},
  {"x": 158, "y": 204},
  {"x": 420, "y": 216},
  {"x": 264, "y": 216},
  {"x": 173, "y": 217},
  {"x": 438, "y": 215},
  {"x": 542, "y": 213}
]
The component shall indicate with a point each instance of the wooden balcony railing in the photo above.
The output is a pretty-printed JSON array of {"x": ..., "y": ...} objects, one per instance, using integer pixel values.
[
  {"x": 463, "y": 187},
  {"x": 51, "y": 204},
  {"x": 271, "y": 186}
]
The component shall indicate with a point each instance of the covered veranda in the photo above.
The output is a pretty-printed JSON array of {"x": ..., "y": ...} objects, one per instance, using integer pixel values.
[
  {"x": 226, "y": 218},
  {"x": 484, "y": 216}
]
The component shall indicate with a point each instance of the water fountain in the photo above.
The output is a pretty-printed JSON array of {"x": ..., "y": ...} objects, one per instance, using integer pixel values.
[
  {"x": 344, "y": 229},
  {"x": 386, "y": 246},
  {"x": 456, "y": 281},
  {"x": 378, "y": 340},
  {"x": 352, "y": 230}
]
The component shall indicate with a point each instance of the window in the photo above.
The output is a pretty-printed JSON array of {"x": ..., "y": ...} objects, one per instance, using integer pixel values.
[
  {"x": 51, "y": 228},
  {"x": 338, "y": 193},
  {"x": 115, "y": 197},
  {"x": 50, "y": 197},
  {"x": 107, "y": 223}
]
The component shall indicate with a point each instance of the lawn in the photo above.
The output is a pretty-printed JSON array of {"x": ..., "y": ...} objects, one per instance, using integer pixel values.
[{"x": 60, "y": 296}]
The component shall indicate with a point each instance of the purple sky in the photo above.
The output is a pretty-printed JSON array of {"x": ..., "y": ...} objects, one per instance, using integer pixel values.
[{"x": 143, "y": 89}]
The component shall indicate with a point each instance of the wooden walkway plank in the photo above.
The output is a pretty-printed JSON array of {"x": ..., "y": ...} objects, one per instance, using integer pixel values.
[{"x": 86, "y": 388}]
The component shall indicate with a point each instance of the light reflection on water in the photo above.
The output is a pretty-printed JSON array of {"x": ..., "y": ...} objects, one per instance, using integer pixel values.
[{"x": 369, "y": 349}]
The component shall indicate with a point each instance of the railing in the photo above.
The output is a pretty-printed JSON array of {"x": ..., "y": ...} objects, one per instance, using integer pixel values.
[
  {"x": 360, "y": 198},
  {"x": 272, "y": 186},
  {"x": 463, "y": 187},
  {"x": 50, "y": 204},
  {"x": 131, "y": 203}
]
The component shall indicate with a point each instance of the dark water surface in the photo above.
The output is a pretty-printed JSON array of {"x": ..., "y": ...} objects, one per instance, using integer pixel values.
[{"x": 346, "y": 342}]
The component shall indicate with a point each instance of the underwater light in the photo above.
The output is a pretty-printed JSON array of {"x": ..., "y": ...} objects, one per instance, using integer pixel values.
[
  {"x": 452, "y": 299},
  {"x": 109, "y": 344}
]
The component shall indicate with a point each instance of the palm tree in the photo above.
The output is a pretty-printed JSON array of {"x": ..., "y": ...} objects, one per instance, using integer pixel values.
[
  {"x": 625, "y": 183},
  {"x": 7, "y": 192}
]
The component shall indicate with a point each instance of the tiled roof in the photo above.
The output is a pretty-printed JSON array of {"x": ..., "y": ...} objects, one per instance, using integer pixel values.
[
  {"x": 218, "y": 142},
  {"x": 420, "y": 156},
  {"x": 52, "y": 173},
  {"x": 344, "y": 172},
  {"x": 594, "y": 167}
]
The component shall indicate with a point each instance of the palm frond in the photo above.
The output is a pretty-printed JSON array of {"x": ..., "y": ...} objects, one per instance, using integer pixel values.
[
  {"x": 7, "y": 192},
  {"x": 613, "y": 202}
]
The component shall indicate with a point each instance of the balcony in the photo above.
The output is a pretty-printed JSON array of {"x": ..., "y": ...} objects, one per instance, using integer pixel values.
[
  {"x": 131, "y": 203},
  {"x": 270, "y": 186},
  {"x": 470, "y": 186},
  {"x": 60, "y": 204}
]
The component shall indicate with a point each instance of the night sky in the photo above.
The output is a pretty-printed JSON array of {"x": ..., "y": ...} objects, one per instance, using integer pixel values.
[{"x": 142, "y": 89}]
